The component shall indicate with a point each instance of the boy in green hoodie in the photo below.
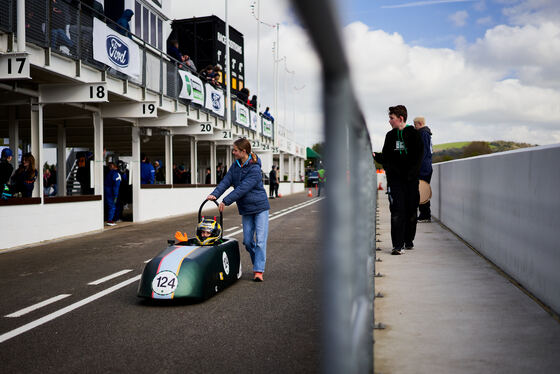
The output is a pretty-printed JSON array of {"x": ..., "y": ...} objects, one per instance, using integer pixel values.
[{"x": 401, "y": 157}]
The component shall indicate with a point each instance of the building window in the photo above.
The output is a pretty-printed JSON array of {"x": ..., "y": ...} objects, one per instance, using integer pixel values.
[
  {"x": 138, "y": 19},
  {"x": 160, "y": 34},
  {"x": 153, "y": 29},
  {"x": 146, "y": 24}
]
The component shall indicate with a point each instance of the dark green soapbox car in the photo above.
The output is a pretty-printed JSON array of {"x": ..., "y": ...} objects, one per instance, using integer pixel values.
[{"x": 197, "y": 268}]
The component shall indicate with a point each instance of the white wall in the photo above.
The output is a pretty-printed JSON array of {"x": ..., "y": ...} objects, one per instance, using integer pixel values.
[
  {"x": 167, "y": 202},
  {"x": 507, "y": 206},
  {"x": 26, "y": 224}
]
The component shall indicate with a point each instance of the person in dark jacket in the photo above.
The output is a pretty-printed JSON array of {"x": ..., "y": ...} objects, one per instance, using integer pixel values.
[
  {"x": 25, "y": 176},
  {"x": 147, "y": 171},
  {"x": 401, "y": 157},
  {"x": 6, "y": 167},
  {"x": 245, "y": 175},
  {"x": 219, "y": 173},
  {"x": 111, "y": 190},
  {"x": 243, "y": 95},
  {"x": 267, "y": 115},
  {"x": 253, "y": 102},
  {"x": 124, "y": 22},
  {"x": 426, "y": 165},
  {"x": 208, "y": 179},
  {"x": 273, "y": 183}
]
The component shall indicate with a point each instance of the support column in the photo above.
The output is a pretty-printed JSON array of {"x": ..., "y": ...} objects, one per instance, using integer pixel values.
[
  {"x": 213, "y": 162},
  {"x": 61, "y": 160},
  {"x": 291, "y": 172},
  {"x": 13, "y": 134},
  {"x": 296, "y": 169},
  {"x": 97, "y": 153},
  {"x": 37, "y": 145},
  {"x": 194, "y": 161},
  {"x": 135, "y": 174},
  {"x": 281, "y": 166},
  {"x": 168, "y": 159},
  {"x": 229, "y": 156}
]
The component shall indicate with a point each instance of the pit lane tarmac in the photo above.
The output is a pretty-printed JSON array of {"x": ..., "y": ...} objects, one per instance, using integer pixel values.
[{"x": 71, "y": 306}]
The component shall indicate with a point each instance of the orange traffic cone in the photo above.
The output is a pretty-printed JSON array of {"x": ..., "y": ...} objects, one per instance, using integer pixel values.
[
  {"x": 380, "y": 188},
  {"x": 309, "y": 193}
]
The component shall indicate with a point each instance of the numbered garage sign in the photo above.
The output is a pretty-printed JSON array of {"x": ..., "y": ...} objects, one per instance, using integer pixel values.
[
  {"x": 165, "y": 283},
  {"x": 14, "y": 66},
  {"x": 225, "y": 261}
]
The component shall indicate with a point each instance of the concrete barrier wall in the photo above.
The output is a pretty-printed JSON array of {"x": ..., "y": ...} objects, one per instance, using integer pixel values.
[
  {"x": 507, "y": 206},
  {"x": 28, "y": 224},
  {"x": 156, "y": 203}
]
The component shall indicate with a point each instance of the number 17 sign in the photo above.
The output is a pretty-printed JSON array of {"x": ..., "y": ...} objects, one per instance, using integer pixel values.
[{"x": 14, "y": 66}]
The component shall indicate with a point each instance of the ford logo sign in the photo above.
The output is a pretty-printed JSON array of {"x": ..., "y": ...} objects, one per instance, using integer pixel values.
[
  {"x": 216, "y": 101},
  {"x": 117, "y": 50}
]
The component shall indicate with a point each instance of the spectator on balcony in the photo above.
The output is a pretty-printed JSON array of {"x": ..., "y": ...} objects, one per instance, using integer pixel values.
[
  {"x": 147, "y": 171},
  {"x": 124, "y": 22},
  {"x": 253, "y": 102},
  {"x": 173, "y": 50},
  {"x": 25, "y": 176},
  {"x": 267, "y": 115},
  {"x": 189, "y": 63},
  {"x": 60, "y": 20},
  {"x": 218, "y": 73},
  {"x": 243, "y": 95},
  {"x": 207, "y": 73}
]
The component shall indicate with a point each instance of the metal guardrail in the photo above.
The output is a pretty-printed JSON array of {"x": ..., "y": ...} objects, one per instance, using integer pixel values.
[{"x": 349, "y": 229}]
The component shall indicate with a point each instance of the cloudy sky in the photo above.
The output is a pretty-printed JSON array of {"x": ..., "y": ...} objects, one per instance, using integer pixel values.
[{"x": 476, "y": 69}]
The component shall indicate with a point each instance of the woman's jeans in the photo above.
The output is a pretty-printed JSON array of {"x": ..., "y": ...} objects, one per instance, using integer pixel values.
[{"x": 255, "y": 234}]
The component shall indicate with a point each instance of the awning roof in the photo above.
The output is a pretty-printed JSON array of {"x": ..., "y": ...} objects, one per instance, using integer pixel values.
[{"x": 312, "y": 154}]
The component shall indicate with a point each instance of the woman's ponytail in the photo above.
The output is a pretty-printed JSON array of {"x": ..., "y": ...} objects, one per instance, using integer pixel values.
[{"x": 254, "y": 157}]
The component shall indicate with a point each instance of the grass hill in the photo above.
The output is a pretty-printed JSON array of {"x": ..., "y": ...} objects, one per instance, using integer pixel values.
[{"x": 452, "y": 151}]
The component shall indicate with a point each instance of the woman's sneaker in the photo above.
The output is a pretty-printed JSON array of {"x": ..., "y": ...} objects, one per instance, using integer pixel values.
[
  {"x": 409, "y": 246},
  {"x": 257, "y": 276}
]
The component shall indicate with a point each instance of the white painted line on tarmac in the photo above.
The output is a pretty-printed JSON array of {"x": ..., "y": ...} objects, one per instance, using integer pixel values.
[
  {"x": 288, "y": 210},
  {"x": 148, "y": 260},
  {"x": 297, "y": 208},
  {"x": 231, "y": 228},
  {"x": 69, "y": 308},
  {"x": 109, "y": 277},
  {"x": 31, "y": 308}
]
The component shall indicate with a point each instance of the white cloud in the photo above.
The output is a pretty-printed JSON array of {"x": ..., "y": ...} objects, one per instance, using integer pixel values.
[
  {"x": 484, "y": 20},
  {"x": 532, "y": 11},
  {"x": 480, "y": 6},
  {"x": 460, "y": 99},
  {"x": 459, "y": 18}
]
